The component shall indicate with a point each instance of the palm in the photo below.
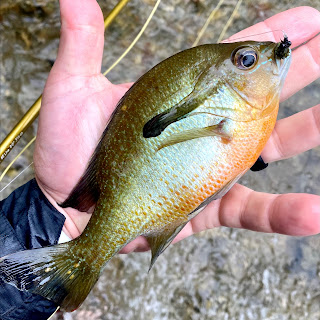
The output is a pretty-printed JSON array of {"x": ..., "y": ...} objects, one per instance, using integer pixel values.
[
  {"x": 78, "y": 102},
  {"x": 70, "y": 128}
]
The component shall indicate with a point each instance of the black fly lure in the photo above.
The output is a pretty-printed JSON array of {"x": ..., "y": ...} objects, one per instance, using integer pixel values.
[{"x": 282, "y": 51}]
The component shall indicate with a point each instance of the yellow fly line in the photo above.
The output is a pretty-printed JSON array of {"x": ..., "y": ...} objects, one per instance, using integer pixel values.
[
  {"x": 136, "y": 38},
  {"x": 13, "y": 161},
  {"x": 205, "y": 26},
  {"x": 211, "y": 16},
  {"x": 50, "y": 318},
  {"x": 227, "y": 25}
]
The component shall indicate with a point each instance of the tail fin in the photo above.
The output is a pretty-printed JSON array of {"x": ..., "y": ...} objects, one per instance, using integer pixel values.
[{"x": 51, "y": 272}]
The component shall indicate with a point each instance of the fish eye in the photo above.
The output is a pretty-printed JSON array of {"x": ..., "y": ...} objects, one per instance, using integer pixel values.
[{"x": 245, "y": 58}]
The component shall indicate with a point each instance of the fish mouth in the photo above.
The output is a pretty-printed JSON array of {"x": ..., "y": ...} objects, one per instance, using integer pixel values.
[
  {"x": 281, "y": 69},
  {"x": 282, "y": 66},
  {"x": 282, "y": 56},
  {"x": 282, "y": 60}
]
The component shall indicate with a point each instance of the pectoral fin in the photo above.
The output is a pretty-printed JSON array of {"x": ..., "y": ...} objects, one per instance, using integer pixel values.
[
  {"x": 160, "y": 242},
  {"x": 211, "y": 131},
  {"x": 158, "y": 123}
]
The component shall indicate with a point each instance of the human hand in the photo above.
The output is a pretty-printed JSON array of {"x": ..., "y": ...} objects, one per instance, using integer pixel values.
[{"x": 78, "y": 101}]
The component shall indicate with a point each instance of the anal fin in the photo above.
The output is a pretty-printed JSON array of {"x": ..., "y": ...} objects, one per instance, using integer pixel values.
[
  {"x": 86, "y": 192},
  {"x": 160, "y": 242}
]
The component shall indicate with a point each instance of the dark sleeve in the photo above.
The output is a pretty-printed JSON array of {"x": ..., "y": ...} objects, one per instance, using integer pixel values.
[
  {"x": 259, "y": 165},
  {"x": 27, "y": 221}
]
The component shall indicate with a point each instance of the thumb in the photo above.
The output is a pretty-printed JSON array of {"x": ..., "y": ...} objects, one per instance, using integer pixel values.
[{"x": 82, "y": 37}]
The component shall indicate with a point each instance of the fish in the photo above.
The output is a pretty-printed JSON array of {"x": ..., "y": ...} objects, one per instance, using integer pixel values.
[{"x": 180, "y": 137}]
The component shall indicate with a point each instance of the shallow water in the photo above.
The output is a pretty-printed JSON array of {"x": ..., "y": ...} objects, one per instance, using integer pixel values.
[{"x": 218, "y": 274}]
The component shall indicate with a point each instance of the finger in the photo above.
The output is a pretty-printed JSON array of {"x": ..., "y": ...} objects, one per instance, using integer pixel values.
[
  {"x": 305, "y": 65},
  {"x": 300, "y": 24},
  {"x": 140, "y": 244},
  {"x": 291, "y": 214},
  {"x": 293, "y": 135},
  {"x": 82, "y": 36}
]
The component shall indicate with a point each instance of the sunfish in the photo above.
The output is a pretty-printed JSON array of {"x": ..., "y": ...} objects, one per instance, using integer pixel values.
[{"x": 183, "y": 134}]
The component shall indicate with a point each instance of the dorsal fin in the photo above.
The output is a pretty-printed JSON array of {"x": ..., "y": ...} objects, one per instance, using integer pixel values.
[
  {"x": 160, "y": 241},
  {"x": 86, "y": 192}
]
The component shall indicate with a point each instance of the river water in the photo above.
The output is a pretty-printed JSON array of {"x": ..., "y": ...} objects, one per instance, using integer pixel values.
[{"x": 219, "y": 274}]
